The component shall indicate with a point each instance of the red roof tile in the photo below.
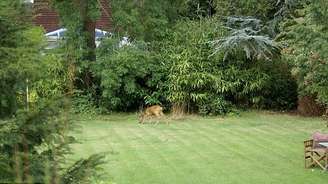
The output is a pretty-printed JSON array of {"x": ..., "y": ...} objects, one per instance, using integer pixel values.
[{"x": 46, "y": 17}]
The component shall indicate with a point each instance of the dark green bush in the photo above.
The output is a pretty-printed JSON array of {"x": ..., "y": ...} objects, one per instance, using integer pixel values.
[
  {"x": 307, "y": 39},
  {"x": 129, "y": 75},
  {"x": 84, "y": 104},
  {"x": 281, "y": 93},
  {"x": 215, "y": 105}
]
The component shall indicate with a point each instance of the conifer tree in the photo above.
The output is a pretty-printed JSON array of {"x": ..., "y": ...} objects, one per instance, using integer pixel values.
[{"x": 33, "y": 141}]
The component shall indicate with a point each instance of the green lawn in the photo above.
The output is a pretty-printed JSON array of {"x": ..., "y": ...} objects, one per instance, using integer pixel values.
[{"x": 255, "y": 148}]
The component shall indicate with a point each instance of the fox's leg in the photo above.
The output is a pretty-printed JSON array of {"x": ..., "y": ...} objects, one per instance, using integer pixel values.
[
  {"x": 157, "y": 116},
  {"x": 141, "y": 121},
  {"x": 163, "y": 115}
]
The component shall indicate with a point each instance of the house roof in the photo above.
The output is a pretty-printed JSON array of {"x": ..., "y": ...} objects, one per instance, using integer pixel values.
[{"x": 48, "y": 18}]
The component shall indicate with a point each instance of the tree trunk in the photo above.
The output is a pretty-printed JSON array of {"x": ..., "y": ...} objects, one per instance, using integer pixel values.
[
  {"x": 88, "y": 30},
  {"x": 89, "y": 27}
]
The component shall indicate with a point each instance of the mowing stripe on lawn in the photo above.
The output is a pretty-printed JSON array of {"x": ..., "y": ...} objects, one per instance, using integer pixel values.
[
  {"x": 183, "y": 154},
  {"x": 266, "y": 145},
  {"x": 128, "y": 157},
  {"x": 229, "y": 152},
  {"x": 163, "y": 163},
  {"x": 203, "y": 132}
]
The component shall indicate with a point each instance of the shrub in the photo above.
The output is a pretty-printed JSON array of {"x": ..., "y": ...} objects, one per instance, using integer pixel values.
[
  {"x": 129, "y": 75},
  {"x": 215, "y": 106},
  {"x": 240, "y": 68},
  {"x": 306, "y": 37},
  {"x": 281, "y": 93},
  {"x": 84, "y": 104},
  {"x": 190, "y": 72}
]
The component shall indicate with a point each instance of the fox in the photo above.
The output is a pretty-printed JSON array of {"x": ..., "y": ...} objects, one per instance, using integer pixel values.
[{"x": 152, "y": 111}]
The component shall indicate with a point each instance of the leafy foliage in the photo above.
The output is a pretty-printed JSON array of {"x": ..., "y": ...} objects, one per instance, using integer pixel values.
[
  {"x": 195, "y": 9},
  {"x": 19, "y": 49},
  {"x": 33, "y": 141},
  {"x": 262, "y": 9},
  {"x": 145, "y": 20},
  {"x": 84, "y": 170},
  {"x": 215, "y": 106},
  {"x": 280, "y": 92},
  {"x": 211, "y": 81},
  {"x": 254, "y": 46},
  {"x": 55, "y": 76},
  {"x": 34, "y": 144},
  {"x": 192, "y": 77},
  {"x": 129, "y": 74},
  {"x": 307, "y": 39},
  {"x": 36, "y": 139},
  {"x": 245, "y": 37},
  {"x": 85, "y": 104}
]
